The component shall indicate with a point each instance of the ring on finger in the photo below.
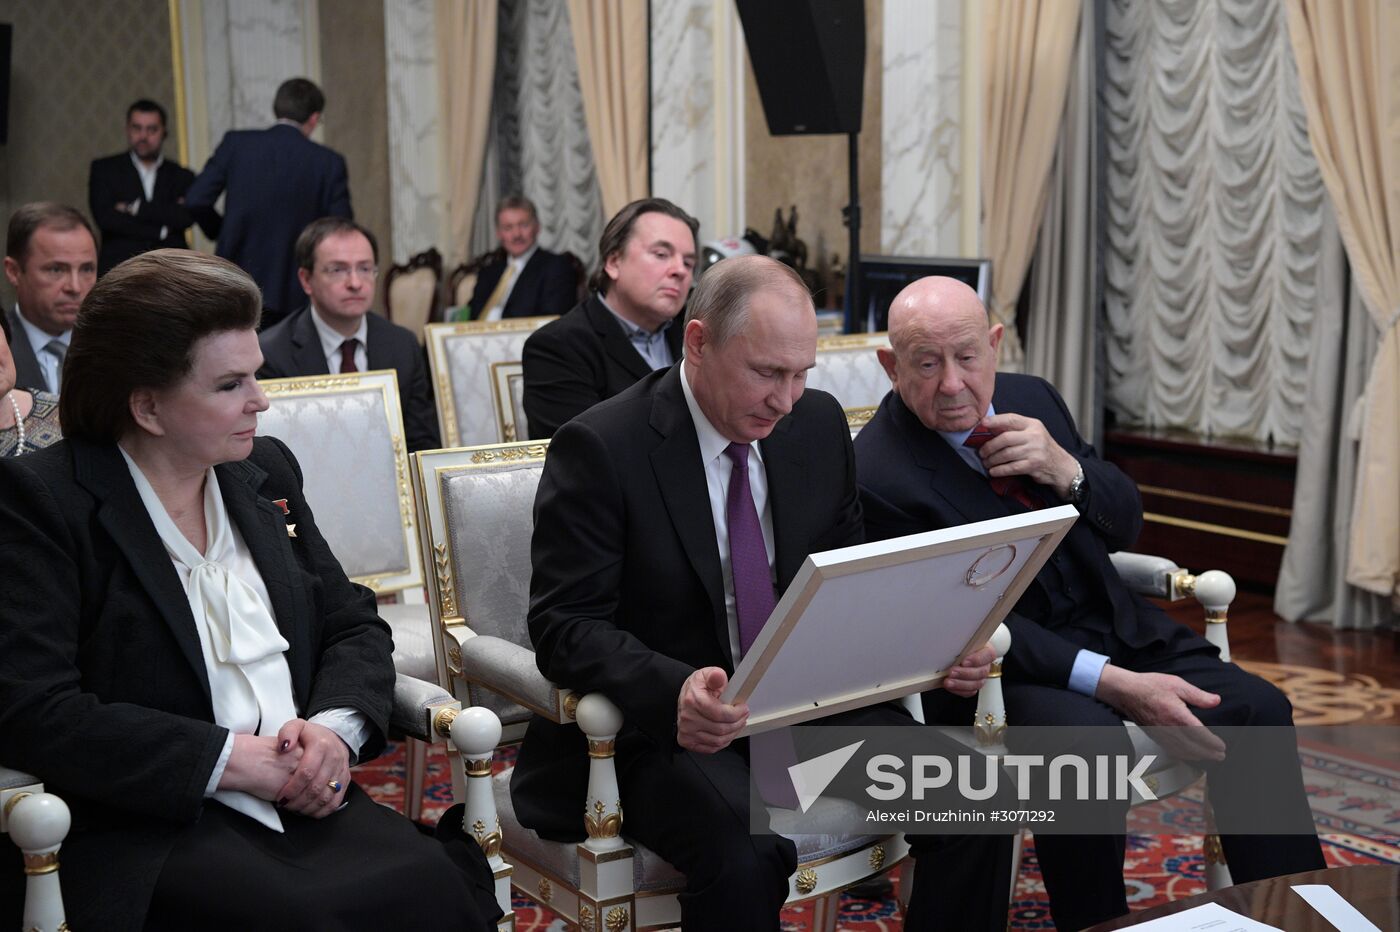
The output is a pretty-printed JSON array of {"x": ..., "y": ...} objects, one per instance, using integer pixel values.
[{"x": 335, "y": 785}]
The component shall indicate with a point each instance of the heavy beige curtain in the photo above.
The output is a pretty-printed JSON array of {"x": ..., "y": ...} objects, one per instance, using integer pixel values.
[
  {"x": 466, "y": 36},
  {"x": 1029, "y": 46},
  {"x": 1350, "y": 78},
  {"x": 1061, "y": 335},
  {"x": 610, "y": 41}
]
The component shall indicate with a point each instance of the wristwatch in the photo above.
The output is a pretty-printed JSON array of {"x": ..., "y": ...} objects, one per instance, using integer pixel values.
[{"x": 1076, "y": 486}]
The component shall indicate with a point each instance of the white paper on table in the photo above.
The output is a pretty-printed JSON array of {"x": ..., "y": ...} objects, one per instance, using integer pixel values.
[
  {"x": 1334, "y": 909},
  {"x": 1211, "y": 917}
]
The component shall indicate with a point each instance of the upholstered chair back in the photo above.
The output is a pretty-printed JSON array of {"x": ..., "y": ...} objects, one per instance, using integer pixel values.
[
  {"x": 479, "y": 515},
  {"x": 848, "y": 368},
  {"x": 508, "y": 397},
  {"x": 346, "y": 432},
  {"x": 411, "y": 291},
  {"x": 460, "y": 356}
]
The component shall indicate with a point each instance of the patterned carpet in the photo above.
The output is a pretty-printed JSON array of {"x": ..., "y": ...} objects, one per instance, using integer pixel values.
[{"x": 1355, "y": 797}]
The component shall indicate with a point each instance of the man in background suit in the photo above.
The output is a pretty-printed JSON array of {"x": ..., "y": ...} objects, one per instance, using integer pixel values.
[
  {"x": 137, "y": 197},
  {"x": 955, "y": 442},
  {"x": 277, "y": 181},
  {"x": 51, "y": 261},
  {"x": 522, "y": 280},
  {"x": 337, "y": 264},
  {"x": 654, "y": 567},
  {"x": 622, "y": 331}
]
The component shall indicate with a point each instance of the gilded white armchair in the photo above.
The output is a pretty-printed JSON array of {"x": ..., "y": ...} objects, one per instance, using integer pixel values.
[
  {"x": 460, "y": 356},
  {"x": 477, "y": 521},
  {"x": 347, "y": 433}
]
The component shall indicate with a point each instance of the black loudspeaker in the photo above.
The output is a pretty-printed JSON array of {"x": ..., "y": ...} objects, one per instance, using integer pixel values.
[
  {"x": 6, "y": 32},
  {"x": 809, "y": 62}
]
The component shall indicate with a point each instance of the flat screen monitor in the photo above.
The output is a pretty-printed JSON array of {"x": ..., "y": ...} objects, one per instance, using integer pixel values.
[{"x": 883, "y": 277}]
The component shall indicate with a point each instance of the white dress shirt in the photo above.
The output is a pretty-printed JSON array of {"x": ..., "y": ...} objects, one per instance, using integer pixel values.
[
  {"x": 514, "y": 265},
  {"x": 250, "y": 683},
  {"x": 148, "y": 184},
  {"x": 718, "y": 469},
  {"x": 333, "y": 340}
]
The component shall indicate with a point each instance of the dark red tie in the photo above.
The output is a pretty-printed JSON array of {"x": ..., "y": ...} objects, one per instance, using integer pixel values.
[
  {"x": 347, "y": 355},
  {"x": 1015, "y": 487}
]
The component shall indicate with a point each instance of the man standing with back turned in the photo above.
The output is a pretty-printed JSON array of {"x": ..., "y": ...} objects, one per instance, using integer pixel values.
[{"x": 277, "y": 181}]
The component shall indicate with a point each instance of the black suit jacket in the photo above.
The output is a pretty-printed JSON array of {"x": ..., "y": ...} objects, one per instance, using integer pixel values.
[
  {"x": 292, "y": 347},
  {"x": 114, "y": 179},
  {"x": 571, "y": 364},
  {"x": 103, "y": 689},
  {"x": 547, "y": 286},
  {"x": 277, "y": 181},
  {"x": 28, "y": 374},
  {"x": 911, "y": 480},
  {"x": 627, "y": 596}
]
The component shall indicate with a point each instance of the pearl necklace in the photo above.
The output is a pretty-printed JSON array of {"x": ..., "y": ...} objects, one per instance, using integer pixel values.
[{"x": 19, "y": 422}]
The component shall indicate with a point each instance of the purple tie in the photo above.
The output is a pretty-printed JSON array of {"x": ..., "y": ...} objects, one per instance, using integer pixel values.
[
  {"x": 748, "y": 558},
  {"x": 771, "y": 753}
]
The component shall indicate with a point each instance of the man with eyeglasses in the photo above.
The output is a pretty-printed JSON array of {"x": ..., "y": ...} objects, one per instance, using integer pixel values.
[
  {"x": 51, "y": 261},
  {"x": 337, "y": 265}
]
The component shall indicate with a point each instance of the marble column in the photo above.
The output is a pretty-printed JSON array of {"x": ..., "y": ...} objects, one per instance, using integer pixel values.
[
  {"x": 417, "y": 194},
  {"x": 697, "y": 111},
  {"x": 923, "y": 185}
]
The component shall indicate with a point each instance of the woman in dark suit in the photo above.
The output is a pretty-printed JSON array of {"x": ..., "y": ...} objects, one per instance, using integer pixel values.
[{"x": 182, "y": 659}]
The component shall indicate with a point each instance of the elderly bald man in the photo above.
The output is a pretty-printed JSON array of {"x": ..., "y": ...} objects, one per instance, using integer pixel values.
[{"x": 955, "y": 442}]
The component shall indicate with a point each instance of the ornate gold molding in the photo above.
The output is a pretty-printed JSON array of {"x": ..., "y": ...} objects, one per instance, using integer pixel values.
[
  {"x": 35, "y": 864},
  {"x": 1217, "y": 616},
  {"x": 454, "y": 661},
  {"x": 13, "y": 801},
  {"x": 877, "y": 857},
  {"x": 490, "y": 844},
  {"x": 546, "y": 890},
  {"x": 806, "y": 881},
  {"x": 447, "y": 597},
  {"x": 312, "y": 383},
  {"x": 617, "y": 919},
  {"x": 533, "y": 451},
  {"x": 405, "y": 487},
  {"x": 856, "y": 418},
  {"x": 600, "y": 749},
  {"x": 1212, "y": 850},
  {"x": 599, "y": 825},
  {"x": 571, "y": 706},
  {"x": 995, "y": 671},
  {"x": 442, "y": 721},
  {"x": 989, "y": 730},
  {"x": 585, "y": 918},
  {"x": 479, "y": 768}
]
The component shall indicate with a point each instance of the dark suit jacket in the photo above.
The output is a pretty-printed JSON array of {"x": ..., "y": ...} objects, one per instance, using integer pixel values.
[
  {"x": 293, "y": 348},
  {"x": 911, "y": 480},
  {"x": 571, "y": 364},
  {"x": 277, "y": 181},
  {"x": 103, "y": 688},
  {"x": 547, "y": 286},
  {"x": 627, "y": 595},
  {"x": 113, "y": 179},
  {"x": 28, "y": 374}
]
